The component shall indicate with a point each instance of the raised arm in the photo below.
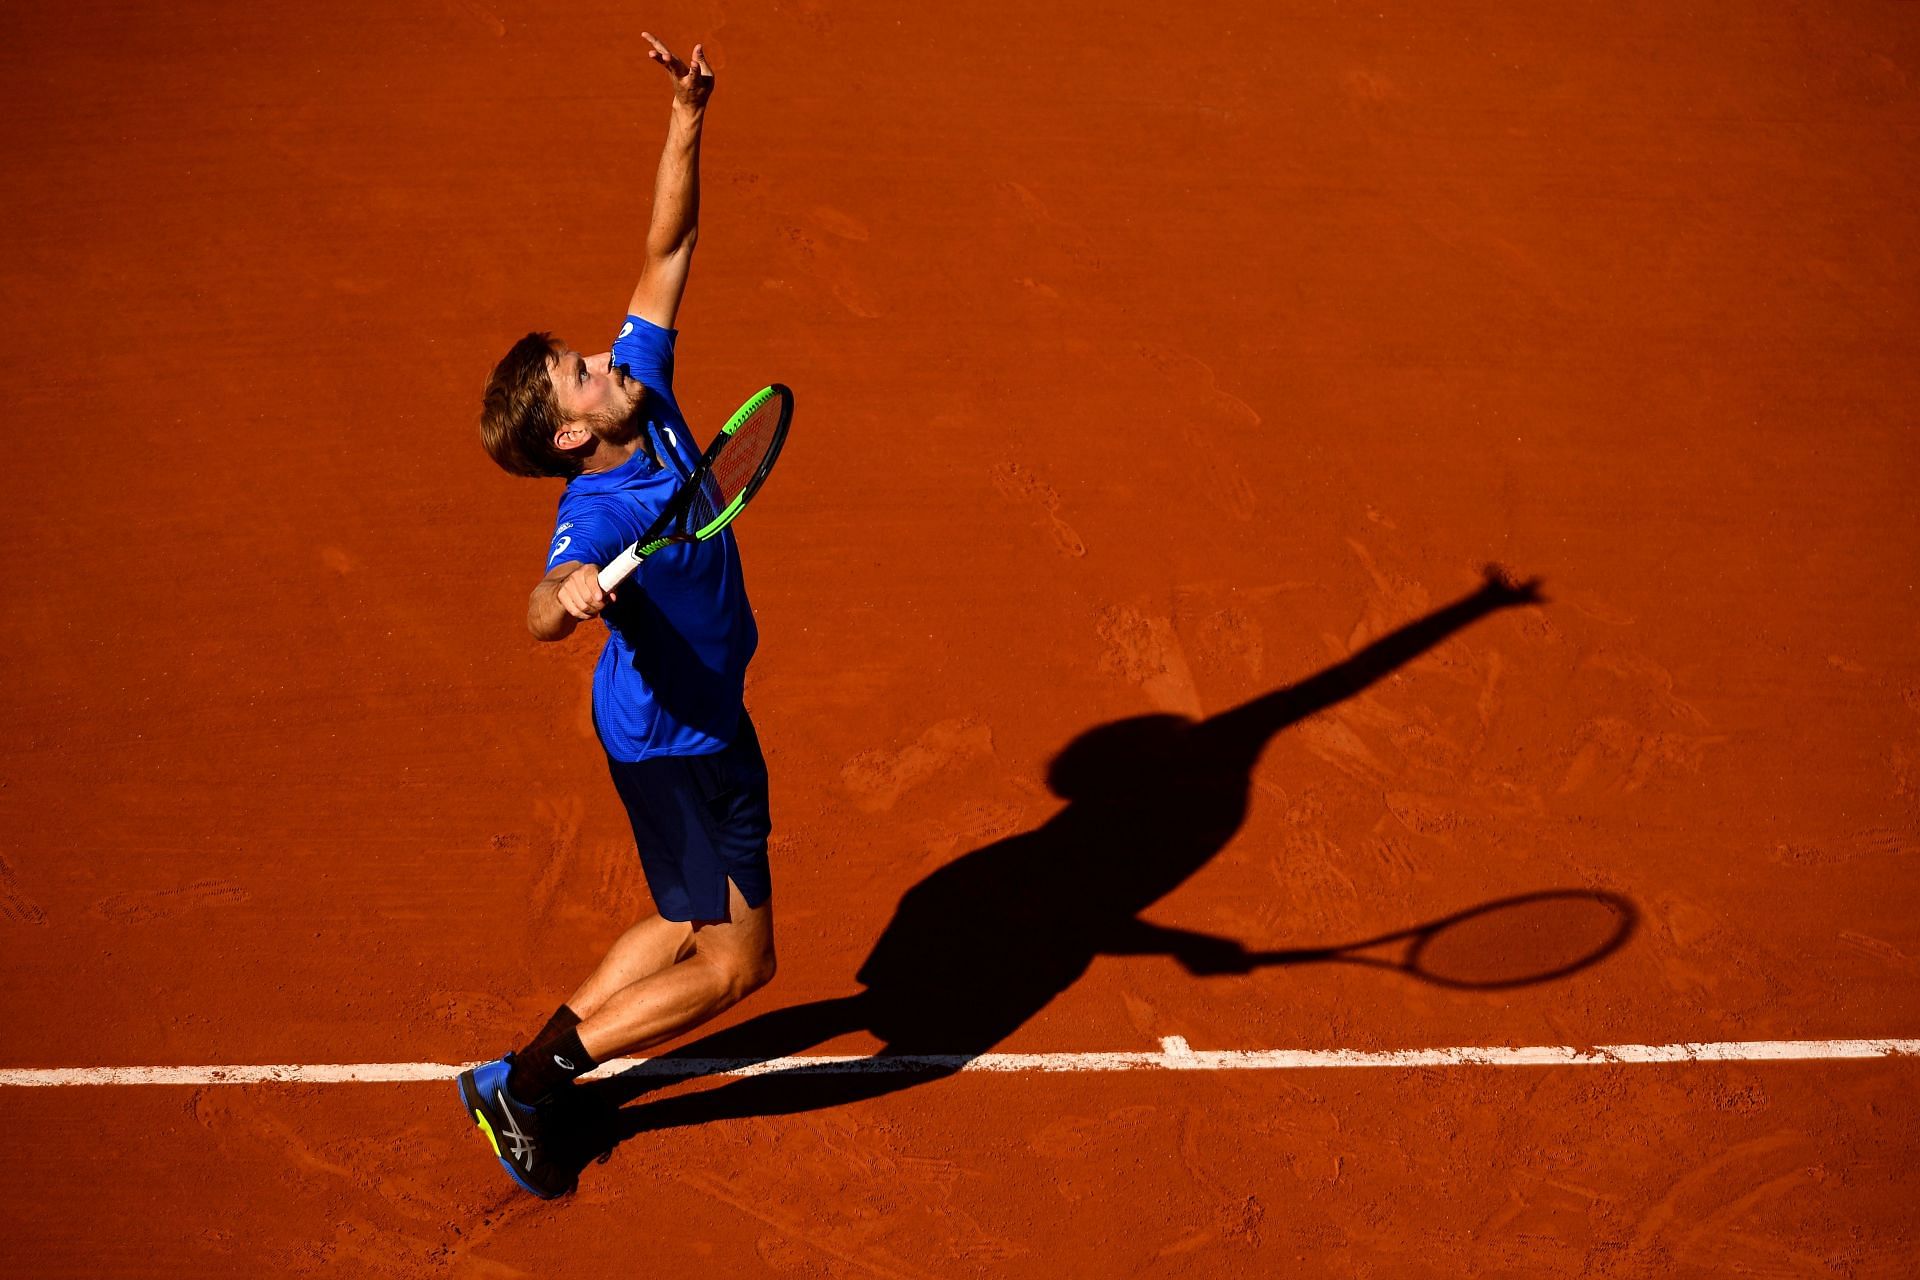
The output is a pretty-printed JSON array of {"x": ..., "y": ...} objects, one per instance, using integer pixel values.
[
  {"x": 675, "y": 224},
  {"x": 1243, "y": 732}
]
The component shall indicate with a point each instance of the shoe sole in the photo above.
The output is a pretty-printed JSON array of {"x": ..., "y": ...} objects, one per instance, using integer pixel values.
[{"x": 470, "y": 1099}]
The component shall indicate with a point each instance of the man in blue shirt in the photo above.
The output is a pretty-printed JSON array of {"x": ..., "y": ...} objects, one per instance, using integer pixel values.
[{"x": 667, "y": 689}]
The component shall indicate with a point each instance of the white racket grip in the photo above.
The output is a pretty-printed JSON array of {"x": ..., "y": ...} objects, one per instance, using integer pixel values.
[{"x": 620, "y": 568}]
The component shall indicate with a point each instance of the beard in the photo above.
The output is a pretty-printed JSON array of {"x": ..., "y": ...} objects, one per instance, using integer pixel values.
[{"x": 616, "y": 428}]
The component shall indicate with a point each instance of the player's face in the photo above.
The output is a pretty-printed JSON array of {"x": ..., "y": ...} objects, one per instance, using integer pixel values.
[{"x": 589, "y": 391}]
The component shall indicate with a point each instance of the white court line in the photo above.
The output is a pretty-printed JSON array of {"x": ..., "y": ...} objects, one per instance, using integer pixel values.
[{"x": 1174, "y": 1055}]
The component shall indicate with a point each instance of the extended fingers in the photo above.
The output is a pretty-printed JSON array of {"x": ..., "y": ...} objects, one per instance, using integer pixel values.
[
  {"x": 663, "y": 55},
  {"x": 696, "y": 67}
]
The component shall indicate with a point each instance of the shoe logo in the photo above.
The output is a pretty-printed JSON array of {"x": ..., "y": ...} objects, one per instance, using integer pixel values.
[
  {"x": 564, "y": 1064},
  {"x": 626, "y": 328},
  {"x": 521, "y": 1141}
]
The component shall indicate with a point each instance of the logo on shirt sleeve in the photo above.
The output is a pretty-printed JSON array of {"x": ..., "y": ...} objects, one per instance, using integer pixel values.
[
  {"x": 625, "y": 329},
  {"x": 560, "y": 545}
]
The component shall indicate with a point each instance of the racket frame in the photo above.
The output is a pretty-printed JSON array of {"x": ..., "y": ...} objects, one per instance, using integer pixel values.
[{"x": 663, "y": 531}]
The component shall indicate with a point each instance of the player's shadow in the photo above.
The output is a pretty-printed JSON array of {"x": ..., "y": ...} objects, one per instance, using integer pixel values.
[{"x": 984, "y": 943}]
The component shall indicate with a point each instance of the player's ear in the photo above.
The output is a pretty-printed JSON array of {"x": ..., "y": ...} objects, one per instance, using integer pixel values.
[{"x": 571, "y": 436}]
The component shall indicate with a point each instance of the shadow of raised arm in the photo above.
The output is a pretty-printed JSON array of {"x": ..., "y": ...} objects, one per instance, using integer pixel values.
[
  {"x": 1201, "y": 954},
  {"x": 1242, "y": 733}
]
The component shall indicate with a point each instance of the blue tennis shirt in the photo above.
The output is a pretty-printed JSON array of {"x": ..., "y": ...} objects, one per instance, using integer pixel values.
[{"x": 680, "y": 635}]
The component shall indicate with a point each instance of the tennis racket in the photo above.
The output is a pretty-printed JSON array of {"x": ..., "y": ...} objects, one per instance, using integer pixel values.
[{"x": 730, "y": 473}]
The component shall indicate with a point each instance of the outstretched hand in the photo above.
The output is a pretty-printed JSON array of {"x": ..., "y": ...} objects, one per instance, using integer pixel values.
[
  {"x": 691, "y": 84},
  {"x": 1206, "y": 957},
  {"x": 1500, "y": 585}
]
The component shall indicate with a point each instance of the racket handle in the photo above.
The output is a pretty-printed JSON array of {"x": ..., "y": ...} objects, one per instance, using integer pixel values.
[{"x": 620, "y": 568}]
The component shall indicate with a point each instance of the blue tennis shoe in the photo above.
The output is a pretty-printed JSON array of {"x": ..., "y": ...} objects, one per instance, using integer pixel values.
[{"x": 519, "y": 1134}]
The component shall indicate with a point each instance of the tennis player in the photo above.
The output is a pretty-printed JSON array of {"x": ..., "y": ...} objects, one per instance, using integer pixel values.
[{"x": 667, "y": 693}]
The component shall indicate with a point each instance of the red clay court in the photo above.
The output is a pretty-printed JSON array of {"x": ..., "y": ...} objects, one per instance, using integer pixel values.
[{"x": 1150, "y": 369}]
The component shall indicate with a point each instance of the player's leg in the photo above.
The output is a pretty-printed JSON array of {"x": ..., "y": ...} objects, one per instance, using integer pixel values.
[
  {"x": 730, "y": 960},
  {"x": 654, "y": 944},
  {"x": 647, "y": 947}
]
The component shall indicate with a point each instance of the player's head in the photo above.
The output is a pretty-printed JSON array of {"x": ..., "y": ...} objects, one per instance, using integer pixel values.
[
  {"x": 1128, "y": 763},
  {"x": 546, "y": 405}
]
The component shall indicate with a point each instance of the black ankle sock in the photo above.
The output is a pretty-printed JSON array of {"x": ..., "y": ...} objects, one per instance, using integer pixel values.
[
  {"x": 564, "y": 1019},
  {"x": 536, "y": 1074}
]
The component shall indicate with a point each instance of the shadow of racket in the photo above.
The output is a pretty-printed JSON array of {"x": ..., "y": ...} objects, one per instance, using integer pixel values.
[{"x": 1513, "y": 942}]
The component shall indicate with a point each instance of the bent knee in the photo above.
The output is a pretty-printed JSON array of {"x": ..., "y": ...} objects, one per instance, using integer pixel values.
[
  {"x": 748, "y": 974},
  {"x": 761, "y": 971}
]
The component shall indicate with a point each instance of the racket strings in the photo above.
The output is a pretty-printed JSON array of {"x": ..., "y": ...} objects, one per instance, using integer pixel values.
[
  {"x": 735, "y": 466},
  {"x": 705, "y": 503}
]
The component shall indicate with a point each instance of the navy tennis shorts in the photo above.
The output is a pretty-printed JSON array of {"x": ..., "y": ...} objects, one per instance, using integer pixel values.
[{"x": 700, "y": 821}]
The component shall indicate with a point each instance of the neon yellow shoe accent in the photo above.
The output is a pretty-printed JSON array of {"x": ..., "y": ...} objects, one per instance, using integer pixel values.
[{"x": 488, "y": 1130}]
